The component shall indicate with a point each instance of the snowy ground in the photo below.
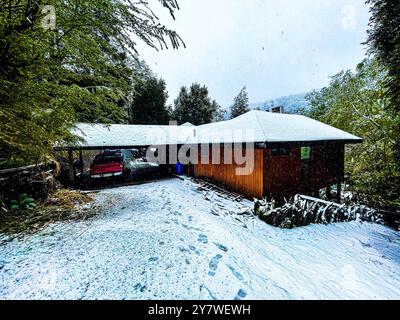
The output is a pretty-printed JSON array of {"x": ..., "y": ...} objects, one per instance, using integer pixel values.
[{"x": 167, "y": 240}]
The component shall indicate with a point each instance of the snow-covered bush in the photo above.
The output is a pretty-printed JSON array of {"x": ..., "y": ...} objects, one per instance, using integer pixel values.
[{"x": 302, "y": 211}]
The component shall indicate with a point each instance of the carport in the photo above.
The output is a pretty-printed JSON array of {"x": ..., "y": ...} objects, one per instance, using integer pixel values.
[{"x": 119, "y": 136}]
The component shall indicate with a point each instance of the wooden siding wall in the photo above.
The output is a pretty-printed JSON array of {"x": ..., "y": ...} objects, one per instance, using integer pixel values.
[
  {"x": 250, "y": 185},
  {"x": 278, "y": 176},
  {"x": 283, "y": 173},
  {"x": 327, "y": 165}
]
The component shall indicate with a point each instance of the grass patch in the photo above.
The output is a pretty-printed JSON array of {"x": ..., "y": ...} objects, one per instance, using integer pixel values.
[{"x": 63, "y": 205}]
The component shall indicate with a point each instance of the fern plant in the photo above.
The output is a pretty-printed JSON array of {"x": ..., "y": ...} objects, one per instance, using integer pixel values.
[{"x": 24, "y": 202}]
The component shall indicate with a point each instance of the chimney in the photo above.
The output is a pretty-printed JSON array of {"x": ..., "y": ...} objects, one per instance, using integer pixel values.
[{"x": 277, "y": 109}]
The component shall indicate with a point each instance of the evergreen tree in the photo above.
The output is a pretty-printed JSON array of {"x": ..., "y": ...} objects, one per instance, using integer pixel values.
[
  {"x": 195, "y": 106},
  {"x": 241, "y": 104},
  {"x": 149, "y": 103},
  {"x": 219, "y": 113},
  {"x": 357, "y": 103},
  {"x": 384, "y": 42}
]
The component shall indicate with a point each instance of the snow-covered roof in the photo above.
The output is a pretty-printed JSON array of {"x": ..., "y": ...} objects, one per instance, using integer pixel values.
[
  {"x": 187, "y": 124},
  {"x": 254, "y": 126},
  {"x": 261, "y": 126},
  {"x": 119, "y": 135}
]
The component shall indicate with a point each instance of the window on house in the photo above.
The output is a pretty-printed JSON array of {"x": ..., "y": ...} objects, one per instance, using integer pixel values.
[
  {"x": 280, "y": 152},
  {"x": 305, "y": 165},
  {"x": 305, "y": 153}
]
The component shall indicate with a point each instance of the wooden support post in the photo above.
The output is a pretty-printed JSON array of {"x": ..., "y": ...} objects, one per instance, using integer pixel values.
[
  {"x": 81, "y": 164},
  {"x": 164, "y": 167},
  {"x": 71, "y": 171},
  {"x": 167, "y": 158},
  {"x": 339, "y": 191},
  {"x": 329, "y": 192}
]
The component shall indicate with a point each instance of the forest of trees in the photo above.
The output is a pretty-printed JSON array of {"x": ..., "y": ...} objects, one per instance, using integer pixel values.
[
  {"x": 83, "y": 68},
  {"x": 366, "y": 103},
  {"x": 357, "y": 103}
]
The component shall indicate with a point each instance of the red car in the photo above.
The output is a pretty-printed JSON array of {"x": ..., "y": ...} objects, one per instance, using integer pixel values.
[{"x": 112, "y": 163}]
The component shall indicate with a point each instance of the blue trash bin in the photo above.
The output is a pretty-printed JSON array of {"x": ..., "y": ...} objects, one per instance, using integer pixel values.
[{"x": 179, "y": 168}]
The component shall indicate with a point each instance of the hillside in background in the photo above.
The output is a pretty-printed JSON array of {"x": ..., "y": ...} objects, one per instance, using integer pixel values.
[{"x": 292, "y": 104}]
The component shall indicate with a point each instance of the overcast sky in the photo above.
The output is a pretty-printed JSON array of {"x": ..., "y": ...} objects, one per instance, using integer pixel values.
[{"x": 274, "y": 47}]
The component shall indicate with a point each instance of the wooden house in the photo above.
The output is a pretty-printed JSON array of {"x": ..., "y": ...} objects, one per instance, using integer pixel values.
[
  {"x": 289, "y": 154},
  {"x": 292, "y": 154}
]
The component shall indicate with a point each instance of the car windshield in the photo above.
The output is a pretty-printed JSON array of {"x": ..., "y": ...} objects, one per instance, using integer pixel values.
[{"x": 104, "y": 159}]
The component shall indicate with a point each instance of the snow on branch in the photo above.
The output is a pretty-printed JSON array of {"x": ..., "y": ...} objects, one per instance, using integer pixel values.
[{"x": 303, "y": 211}]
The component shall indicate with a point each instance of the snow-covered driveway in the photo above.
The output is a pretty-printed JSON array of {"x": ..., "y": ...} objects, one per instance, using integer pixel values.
[{"x": 166, "y": 239}]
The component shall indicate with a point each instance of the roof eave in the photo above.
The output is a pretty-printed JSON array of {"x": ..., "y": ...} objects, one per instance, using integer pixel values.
[{"x": 314, "y": 142}]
